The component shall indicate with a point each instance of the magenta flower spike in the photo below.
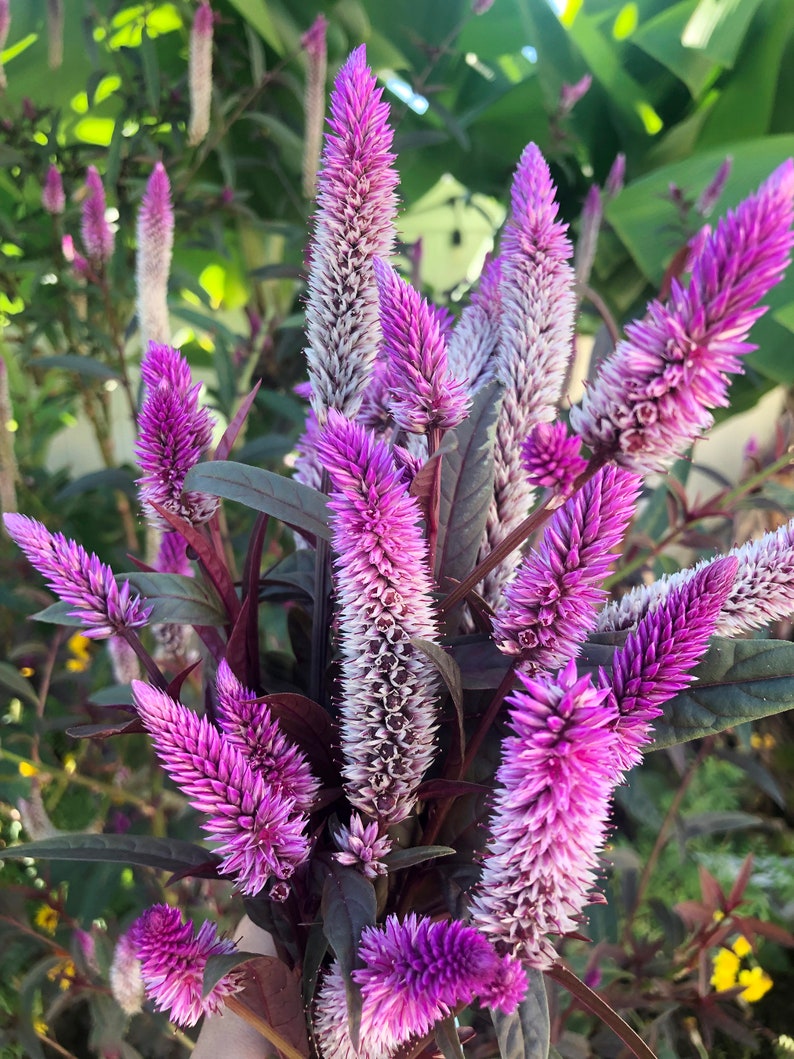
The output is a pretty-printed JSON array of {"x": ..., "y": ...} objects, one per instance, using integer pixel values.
[
  {"x": 549, "y": 607},
  {"x": 551, "y": 457},
  {"x": 79, "y": 578},
  {"x": 550, "y": 814},
  {"x": 762, "y": 592},
  {"x": 79, "y": 264},
  {"x": 174, "y": 432},
  {"x": 172, "y": 555},
  {"x": 259, "y": 831},
  {"x": 652, "y": 398},
  {"x": 354, "y": 224},
  {"x": 616, "y": 177},
  {"x": 314, "y": 44},
  {"x": 414, "y": 973},
  {"x": 654, "y": 663},
  {"x": 173, "y": 958},
  {"x": 536, "y": 329},
  {"x": 363, "y": 847},
  {"x": 383, "y": 587},
  {"x": 200, "y": 74},
  {"x": 710, "y": 195},
  {"x": 153, "y": 258},
  {"x": 53, "y": 199},
  {"x": 424, "y": 395},
  {"x": 97, "y": 235},
  {"x": 476, "y": 335},
  {"x": 249, "y": 726}
]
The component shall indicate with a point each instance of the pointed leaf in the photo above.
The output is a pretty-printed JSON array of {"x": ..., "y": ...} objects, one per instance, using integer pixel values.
[
  {"x": 273, "y": 992},
  {"x": 80, "y": 365},
  {"x": 306, "y": 723},
  {"x": 12, "y": 680},
  {"x": 450, "y": 674},
  {"x": 226, "y": 444},
  {"x": 177, "y": 599},
  {"x": 448, "y": 1040},
  {"x": 348, "y": 905},
  {"x": 407, "y": 858},
  {"x": 166, "y": 854},
  {"x": 467, "y": 487},
  {"x": 106, "y": 729},
  {"x": 220, "y": 965},
  {"x": 58, "y": 614},
  {"x": 525, "y": 1033},
  {"x": 292, "y": 502}
]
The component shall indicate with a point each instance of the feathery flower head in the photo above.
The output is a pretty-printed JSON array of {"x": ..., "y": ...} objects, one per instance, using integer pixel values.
[
  {"x": 354, "y": 224},
  {"x": 173, "y": 958},
  {"x": 362, "y": 848},
  {"x": 424, "y": 395},
  {"x": 126, "y": 983},
  {"x": 259, "y": 829},
  {"x": 384, "y": 592},
  {"x": 551, "y": 456},
  {"x": 475, "y": 336},
  {"x": 535, "y": 332},
  {"x": 153, "y": 259},
  {"x": 80, "y": 578},
  {"x": 249, "y": 726},
  {"x": 174, "y": 432},
  {"x": 98, "y": 237},
  {"x": 53, "y": 199},
  {"x": 654, "y": 663},
  {"x": 123, "y": 661},
  {"x": 313, "y": 40},
  {"x": 651, "y": 398},
  {"x": 550, "y": 814},
  {"x": 200, "y": 74},
  {"x": 549, "y": 607},
  {"x": 172, "y": 555}
]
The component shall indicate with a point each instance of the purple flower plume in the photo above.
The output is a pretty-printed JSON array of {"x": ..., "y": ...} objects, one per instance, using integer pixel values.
[
  {"x": 249, "y": 726},
  {"x": 174, "y": 432},
  {"x": 258, "y": 829},
  {"x": 98, "y": 237},
  {"x": 424, "y": 395},
  {"x": 79, "y": 578},
  {"x": 551, "y": 457},
  {"x": 654, "y": 663},
  {"x": 354, "y": 224},
  {"x": 616, "y": 177},
  {"x": 153, "y": 259},
  {"x": 550, "y": 814},
  {"x": 53, "y": 199},
  {"x": 476, "y": 334},
  {"x": 414, "y": 973},
  {"x": 762, "y": 592},
  {"x": 549, "y": 607},
  {"x": 536, "y": 329},
  {"x": 200, "y": 73},
  {"x": 384, "y": 593},
  {"x": 651, "y": 398},
  {"x": 363, "y": 847},
  {"x": 173, "y": 958}
]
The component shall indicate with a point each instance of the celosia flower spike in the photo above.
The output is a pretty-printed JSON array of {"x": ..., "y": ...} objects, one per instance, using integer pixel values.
[
  {"x": 616, "y": 177},
  {"x": 361, "y": 846},
  {"x": 652, "y": 398},
  {"x": 249, "y": 726},
  {"x": 173, "y": 958},
  {"x": 551, "y": 457},
  {"x": 654, "y": 663},
  {"x": 424, "y": 395},
  {"x": 536, "y": 328},
  {"x": 414, "y": 973},
  {"x": 549, "y": 607},
  {"x": 126, "y": 983},
  {"x": 259, "y": 829},
  {"x": 98, "y": 237},
  {"x": 200, "y": 74},
  {"x": 383, "y": 586},
  {"x": 354, "y": 224},
  {"x": 550, "y": 814},
  {"x": 476, "y": 335},
  {"x": 53, "y": 199},
  {"x": 762, "y": 592},
  {"x": 153, "y": 258},
  {"x": 313, "y": 43},
  {"x": 79, "y": 578},
  {"x": 174, "y": 432}
]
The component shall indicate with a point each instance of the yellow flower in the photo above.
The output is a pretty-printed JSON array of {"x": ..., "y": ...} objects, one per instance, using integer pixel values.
[
  {"x": 81, "y": 657},
  {"x": 726, "y": 970},
  {"x": 65, "y": 972},
  {"x": 27, "y": 769},
  {"x": 742, "y": 946},
  {"x": 40, "y": 1027},
  {"x": 47, "y": 918},
  {"x": 756, "y": 984},
  {"x": 27, "y": 671}
]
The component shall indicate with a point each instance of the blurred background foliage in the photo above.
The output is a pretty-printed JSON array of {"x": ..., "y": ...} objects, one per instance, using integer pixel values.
[{"x": 676, "y": 87}]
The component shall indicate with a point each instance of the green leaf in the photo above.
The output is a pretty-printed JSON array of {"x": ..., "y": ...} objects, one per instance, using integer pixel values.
[
  {"x": 177, "y": 599},
  {"x": 151, "y": 72},
  {"x": 467, "y": 487},
  {"x": 737, "y": 681},
  {"x": 718, "y": 28},
  {"x": 256, "y": 13},
  {"x": 165, "y": 854},
  {"x": 292, "y": 502},
  {"x": 525, "y": 1033},
  {"x": 80, "y": 365},
  {"x": 448, "y": 1040},
  {"x": 12, "y": 680},
  {"x": 348, "y": 905},
  {"x": 59, "y": 614},
  {"x": 451, "y": 675},
  {"x": 108, "y": 478},
  {"x": 218, "y": 966},
  {"x": 407, "y": 858}
]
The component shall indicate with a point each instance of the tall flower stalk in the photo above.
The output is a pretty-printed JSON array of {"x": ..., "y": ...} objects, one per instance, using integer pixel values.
[
  {"x": 200, "y": 74},
  {"x": 153, "y": 258}
]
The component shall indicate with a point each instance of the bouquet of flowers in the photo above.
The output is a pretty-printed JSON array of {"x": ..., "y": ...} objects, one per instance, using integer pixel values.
[{"x": 417, "y": 813}]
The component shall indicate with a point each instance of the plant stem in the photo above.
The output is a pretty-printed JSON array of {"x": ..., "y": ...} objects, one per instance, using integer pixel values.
[{"x": 146, "y": 659}]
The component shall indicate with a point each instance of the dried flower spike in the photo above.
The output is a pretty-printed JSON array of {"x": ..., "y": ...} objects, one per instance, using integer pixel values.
[
  {"x": 153, "y": 258},
  {"x": 200, "y": 74}
]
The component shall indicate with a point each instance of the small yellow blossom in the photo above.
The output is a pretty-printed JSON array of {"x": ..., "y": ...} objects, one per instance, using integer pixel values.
[
  {"x": 27, "y": 769},
  {"x": 26, "y": 671},
  {"x": 40, "y": 1026},
  {"x": 726, "y": 970},
  {"x": 81, "y": 657},
  {"x": 718, "y": 915},
  {"x": 47, "y": 918},
  {"x": 756, "y": 984},
  {"x": 762, "y": 742},
  {"x": 70, "y": 763},
  {"x": 742, "y": 946},
  {"x": 65, "y": 972}
]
